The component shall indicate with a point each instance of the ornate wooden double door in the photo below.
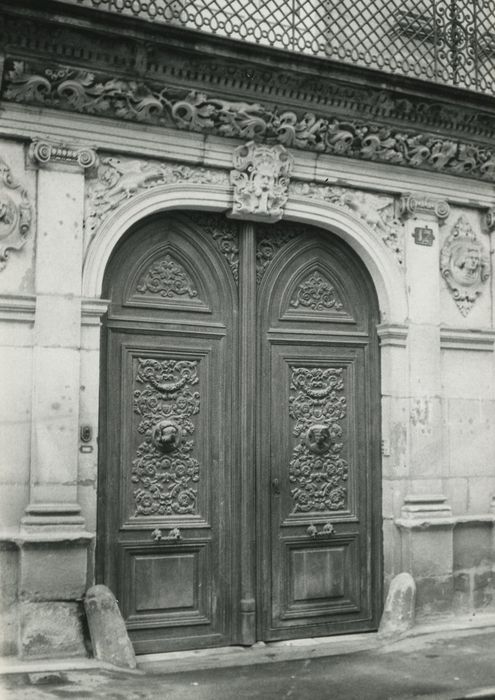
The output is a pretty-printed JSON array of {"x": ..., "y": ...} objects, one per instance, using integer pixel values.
[{"x": 239, "y": 494}]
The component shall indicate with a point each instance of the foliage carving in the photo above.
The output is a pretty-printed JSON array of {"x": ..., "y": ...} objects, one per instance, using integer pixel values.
[
  {"x": 315, "y": 293},
  {"x": 86, "y": 92},
  {"x": 167, "y": 278},
  {"x": 317, "y": 472},
  {"x": 164, "y": 470}
]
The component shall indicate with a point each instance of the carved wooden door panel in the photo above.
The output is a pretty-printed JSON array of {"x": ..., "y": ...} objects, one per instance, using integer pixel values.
[
  {"x": 239, "y": 472},
  {"x": 167, "y": 547},
  {"x": 320, "y": 564}
]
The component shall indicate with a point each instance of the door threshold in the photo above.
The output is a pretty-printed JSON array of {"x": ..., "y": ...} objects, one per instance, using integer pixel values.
[{"x": 259, "y": 653}]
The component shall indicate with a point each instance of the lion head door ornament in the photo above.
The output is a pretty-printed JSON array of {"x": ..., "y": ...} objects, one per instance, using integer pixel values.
[
  {"x": 464, "y": 265},
  {"x": 166, "y": 436},
  {"x": 261, "y": 181}
]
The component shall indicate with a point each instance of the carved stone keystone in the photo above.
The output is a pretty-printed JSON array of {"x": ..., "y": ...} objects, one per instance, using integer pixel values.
[
  {"x": 420, "y": 205},
  {"x": 261, "y": 181},
  {"x": 398, "y": 613},
  {"x": 107, "y": 629},
  {"x": 42, "y": 152}
]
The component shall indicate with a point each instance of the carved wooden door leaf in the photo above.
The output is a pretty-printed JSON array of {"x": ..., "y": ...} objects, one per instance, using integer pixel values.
[{"x": 207, "y": 536}]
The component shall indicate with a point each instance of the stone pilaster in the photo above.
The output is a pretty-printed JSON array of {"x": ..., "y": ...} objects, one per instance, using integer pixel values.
[
  {"x": 425, "y": 522},
  {"x": 423, "y": 216},
  {"x": 426, "y": 525},
  {"x": 53, "y": 539}
]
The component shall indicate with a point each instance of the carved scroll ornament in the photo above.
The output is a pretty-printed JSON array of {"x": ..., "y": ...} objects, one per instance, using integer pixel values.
[
  {"x": 42, "y": 152},
  {"x": 15, "y": 214},
  {"x": 376, "y": 211},
  {"x": 261, "y": 180},
  {"x": 464, "y": 265},
  {"x": 164, "y": 470},
  {"x": 86, "y": 92},
  {"x": 317, "y": 472}
]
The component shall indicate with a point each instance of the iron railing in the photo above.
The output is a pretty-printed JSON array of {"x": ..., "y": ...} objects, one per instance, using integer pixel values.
[{"x": 444, "y": 41}]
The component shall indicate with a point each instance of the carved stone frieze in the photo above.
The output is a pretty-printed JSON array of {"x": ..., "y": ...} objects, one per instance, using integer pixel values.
[
  {"x": 118, "y": 180},
  {"x": 157, "y": 62},
  {"x": 261, "y": 180},
  {"x": 317, "y": 471},
  {"x": 375, "y": 210},
  {"x": 464, "y": 264},
  {"x": 87, "y": 92},
  {"x": 164, "y": 471},
  {"x": 15, "y": 213},
  {"x": 422, "y": 205},
  {"x": 42, "y": 152}
]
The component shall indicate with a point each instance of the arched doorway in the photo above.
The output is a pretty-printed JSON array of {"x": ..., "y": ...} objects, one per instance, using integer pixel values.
[{"x": 239, "y": 493}]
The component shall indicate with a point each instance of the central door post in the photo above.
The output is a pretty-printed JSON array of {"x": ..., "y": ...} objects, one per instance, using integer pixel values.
[{"x": 247, "y": 427}]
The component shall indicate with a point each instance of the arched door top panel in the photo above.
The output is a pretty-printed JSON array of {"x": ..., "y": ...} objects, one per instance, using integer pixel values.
[
  {"x": 186, "y": 264},
  {"x": 311, "y": 276}
]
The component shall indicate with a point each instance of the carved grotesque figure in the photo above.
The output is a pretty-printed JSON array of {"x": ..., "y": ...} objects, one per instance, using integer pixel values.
[
  {"x": 464, "y": 265},
  {"x": 166, "y": 436},
  {"x": 260, "y": 180},
  {"x": 318, "y": 438}
]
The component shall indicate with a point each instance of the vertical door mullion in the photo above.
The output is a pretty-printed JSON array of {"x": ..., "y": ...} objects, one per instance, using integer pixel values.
[{"x": 247, "y": 429}]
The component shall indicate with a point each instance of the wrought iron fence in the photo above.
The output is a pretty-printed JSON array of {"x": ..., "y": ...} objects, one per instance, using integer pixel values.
[{"x": 444, "y": 41}]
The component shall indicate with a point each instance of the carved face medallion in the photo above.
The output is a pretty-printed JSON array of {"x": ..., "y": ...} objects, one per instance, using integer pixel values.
[
  {"x": 166, "y": 436},
  {"x": 318, "y": 438},
  {"x": 465, "y": 264}
]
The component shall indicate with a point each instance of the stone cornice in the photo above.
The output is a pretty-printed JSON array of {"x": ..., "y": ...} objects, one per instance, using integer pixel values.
[{"x": 153, "y": 77}]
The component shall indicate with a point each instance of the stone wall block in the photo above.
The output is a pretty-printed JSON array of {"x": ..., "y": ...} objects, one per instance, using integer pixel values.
[
  {"x": 57, "y": 321},
  {"x": 53, "y": 571},
  {"x": 51, "y": 628}
]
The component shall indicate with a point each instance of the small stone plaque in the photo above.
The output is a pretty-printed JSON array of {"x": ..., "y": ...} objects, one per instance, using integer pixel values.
[{"x": 423, "y": 235}]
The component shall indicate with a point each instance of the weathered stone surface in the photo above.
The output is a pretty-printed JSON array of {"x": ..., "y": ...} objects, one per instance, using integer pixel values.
[
  {"x": 8, "y": 599},
  {"x": 107, "y": 628},
  {"x": 51, "y": 628},
  {"x": 398, "y": 614}
]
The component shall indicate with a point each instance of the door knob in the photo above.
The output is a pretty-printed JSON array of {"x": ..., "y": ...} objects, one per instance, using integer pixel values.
[{"x": 276, "y": 486}]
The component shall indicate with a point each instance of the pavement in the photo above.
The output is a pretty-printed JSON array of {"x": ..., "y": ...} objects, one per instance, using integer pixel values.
[{"x": 444, "y": 665}]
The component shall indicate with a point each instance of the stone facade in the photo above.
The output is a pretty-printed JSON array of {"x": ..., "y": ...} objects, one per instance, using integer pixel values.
[{"x": 78, "y": 170}]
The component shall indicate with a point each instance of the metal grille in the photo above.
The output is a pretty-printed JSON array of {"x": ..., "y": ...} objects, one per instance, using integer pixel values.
[{"x": 445, "y": 41}]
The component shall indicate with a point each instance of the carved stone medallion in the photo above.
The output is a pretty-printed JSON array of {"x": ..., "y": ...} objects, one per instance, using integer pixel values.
[
  {"x": 15, "y": 214},
  {"x": 164, "y": 470},
  {"x": 261, "y": 180},
  {"x": 317, "y": 472},
  {"x": 464, "y": 265}
]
